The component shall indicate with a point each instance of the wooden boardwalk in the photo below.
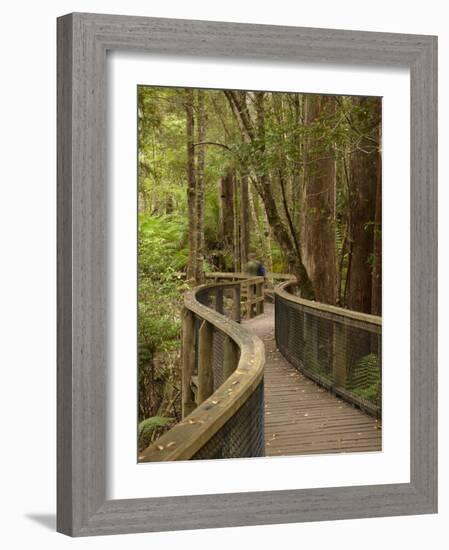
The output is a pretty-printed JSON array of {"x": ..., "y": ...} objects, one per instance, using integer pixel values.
[{"x": 300, "y": 416}]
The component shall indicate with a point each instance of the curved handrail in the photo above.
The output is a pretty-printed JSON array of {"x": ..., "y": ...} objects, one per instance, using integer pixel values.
[
  {"x": 196, "y": 429},
  {"x": 284, "y": 290}
]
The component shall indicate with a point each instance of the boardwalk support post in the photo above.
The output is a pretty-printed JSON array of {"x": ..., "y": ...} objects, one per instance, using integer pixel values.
[
  {"x": 249, "y": 300},
  {"x": 236, "y": 304},
  {"x": 205, "y": 349},
  {"x": 188, "y": 359},
  {"x": 340, "y": 355},
  {"x": 260, "y": 298},
  {"x": 219, "y": 300},
  {"x": 230, "y": 359}
]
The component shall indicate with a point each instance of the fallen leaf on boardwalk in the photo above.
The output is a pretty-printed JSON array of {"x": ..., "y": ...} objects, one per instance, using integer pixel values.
[
  {"x": 171, "y": 444},
  {"x": 235, "y": 382},
  {"x": 215, "y": 402},
  {"x": 160, "y": 447}
]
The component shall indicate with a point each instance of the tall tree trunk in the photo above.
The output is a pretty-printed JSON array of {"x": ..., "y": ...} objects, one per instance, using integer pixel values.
[
  {"x": 244, "y": 221},
  {"x": 236, "y": 210},
  {"x": 298, "y": 170},
  {"x": 227, "y": 217},
  {"x": 362, "y": 203},
  {"x": 262, "y": 228},
  {"x": 319, "y": 205},
  {"x": 201, "y": 152},
  {"x": 376, "y": 295},
  {"x": 191, "y": 186}
]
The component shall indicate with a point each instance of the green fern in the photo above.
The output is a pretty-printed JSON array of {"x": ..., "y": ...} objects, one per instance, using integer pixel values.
[{"x": 365, "y": 380}]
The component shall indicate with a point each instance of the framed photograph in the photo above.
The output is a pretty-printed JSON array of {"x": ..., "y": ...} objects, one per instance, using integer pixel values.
[{"x": 247, "y": 279}]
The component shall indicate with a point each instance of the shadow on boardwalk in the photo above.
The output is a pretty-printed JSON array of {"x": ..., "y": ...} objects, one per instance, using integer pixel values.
[{"x": 300, "y": 416}]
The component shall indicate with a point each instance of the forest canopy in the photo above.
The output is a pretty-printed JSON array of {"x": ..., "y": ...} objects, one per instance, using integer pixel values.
[{"x": 293, "y": 178}]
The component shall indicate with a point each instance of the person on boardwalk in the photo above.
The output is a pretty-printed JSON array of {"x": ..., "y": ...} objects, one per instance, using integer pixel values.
[{"x": 254, "y": 268}]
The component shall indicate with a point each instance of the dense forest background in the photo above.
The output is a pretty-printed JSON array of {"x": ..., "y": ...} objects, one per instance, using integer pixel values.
[{"x": 293, "y": 178}]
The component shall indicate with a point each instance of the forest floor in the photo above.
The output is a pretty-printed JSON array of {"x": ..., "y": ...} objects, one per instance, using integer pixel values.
[{"x": 300, "y": 416}]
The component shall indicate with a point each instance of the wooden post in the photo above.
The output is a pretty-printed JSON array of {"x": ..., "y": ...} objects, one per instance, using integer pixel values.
[
  {"x": 188, "y": 361},
  {"x": 205, "y": 354},
  {"x": 249, "y": 299},
  {"x": 339, "y": 353},
  {"x": 259, "y": 294},
  {"x": 236, "y": 316},
  {"x": 219, "y": 300},
  {"x": 311, "y": 360},
  {"x": 230, "y": 357}
]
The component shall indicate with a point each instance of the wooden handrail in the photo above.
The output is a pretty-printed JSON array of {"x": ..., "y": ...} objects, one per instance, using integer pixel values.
[
  {"x": 185, "y": 439},
  {"x": 284, "y": 290}
]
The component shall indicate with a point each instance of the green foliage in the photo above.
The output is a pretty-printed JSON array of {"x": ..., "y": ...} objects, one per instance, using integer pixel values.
[
  {"x": 162, "y": 154},
  {"x": 211, "y": 215},
  {"x": 162, "y": 244},
  {"x": 365, "y": 378},
  {"x": 277, "y": 258},
  {"x": 147, "y": 428},
  {"x": 162, "y": 253}
]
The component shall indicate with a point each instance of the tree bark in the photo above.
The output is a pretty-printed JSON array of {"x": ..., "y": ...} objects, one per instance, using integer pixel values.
[
  {"x": 376, "y": 296},
  {"x": 318, "y": 236},
  {"x": 262, "y": 228},
  {"x": 227, "y": 216},
  {"x": 298, "y": 170},
  {"x": 364, "y": 166},
  {"x": 236, "y": 222},
  {"x": 244, "y": 221},
  {"x": 191, "y": 186},
  {"x": 200, "y": 152}
]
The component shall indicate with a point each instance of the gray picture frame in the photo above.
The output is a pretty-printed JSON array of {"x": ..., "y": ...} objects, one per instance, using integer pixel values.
[{"x": 83, "y": 40}]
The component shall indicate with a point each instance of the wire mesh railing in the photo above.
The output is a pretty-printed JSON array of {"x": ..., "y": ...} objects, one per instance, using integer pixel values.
[
  {"x": 337, "y": 348},
  {"x": 222, "y": 386}
]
